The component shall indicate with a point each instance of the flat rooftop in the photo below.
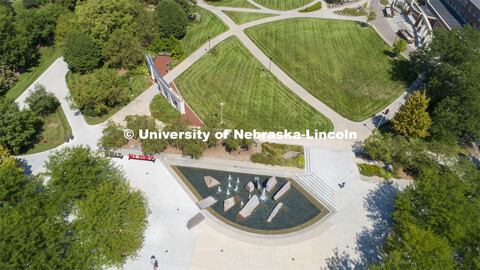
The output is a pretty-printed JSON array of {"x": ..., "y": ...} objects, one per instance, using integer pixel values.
[{"x": 445, "y": 12}]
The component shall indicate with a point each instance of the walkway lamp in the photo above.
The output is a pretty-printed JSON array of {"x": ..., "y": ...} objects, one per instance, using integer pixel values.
[
  {"x": 221, "y": 113},
  {"x": 209, "y": 46},
  {"x": 130, "y": 85},
  {"x": 269, "y": 66}
]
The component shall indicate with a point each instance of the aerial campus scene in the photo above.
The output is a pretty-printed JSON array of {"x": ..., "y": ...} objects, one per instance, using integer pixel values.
[{"x": 239, "y": 134}]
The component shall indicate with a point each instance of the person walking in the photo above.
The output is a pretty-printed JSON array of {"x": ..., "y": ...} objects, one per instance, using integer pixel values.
[{"x": 155, "y": 265}]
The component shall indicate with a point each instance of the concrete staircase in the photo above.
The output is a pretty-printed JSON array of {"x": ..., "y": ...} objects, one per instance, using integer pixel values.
[{"x": 317, "y": 188}]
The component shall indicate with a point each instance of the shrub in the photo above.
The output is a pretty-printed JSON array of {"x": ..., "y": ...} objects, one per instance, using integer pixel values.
[
  {"x": 137, "y": 122},
  {"x": 167, "y": 45},
  {"x": 272, "y": 154},
  {"x": 153, "y": 146},
  {"x": 97, "y": 92},
  {"x": 399, "y": 46},
  {"x": 353, "y": 12},
  {"x": 40, "y": 101},
  {"x": 162, "y": 110},
  {"x": 81, "y": 53},
  {"x": 112, "y": 137}
]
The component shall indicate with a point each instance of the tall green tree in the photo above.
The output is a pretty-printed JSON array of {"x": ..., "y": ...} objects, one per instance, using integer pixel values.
[
  {"x": 399, "y": 46},
  {"x": 171, "y": 19},
  {"x": 18, "y": 128},
  {"x": 122, "y": 49},
  {"x": 81, "y": 53},
  {"x": 113, "y": 137},
  {"x": 97, "y": 92},
  {"x": 412, "y": 119},
  {"x": 450, "y": 64},
  {"x": 40, "y": 101},
  {"x": 100, "y": 18}
]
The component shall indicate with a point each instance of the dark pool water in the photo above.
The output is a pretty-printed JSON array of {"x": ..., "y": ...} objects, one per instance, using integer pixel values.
[{"x": 297, "y": 211}]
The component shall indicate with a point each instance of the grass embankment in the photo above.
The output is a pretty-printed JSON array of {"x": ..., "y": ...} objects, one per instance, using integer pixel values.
[
  {"x": 284, "y": 4},
  {"x": 314, "y": 7},
  {"x": 232, "y": 75},
  {"x": 48, "y": 55},
  {"x": 232, "y": 3},
  {"x": 346, "y": 66},
  {"x": 197, "y": 35},
  {"x": 55, "y": 128},
  {"x": 240, "y": 17},
  {"x": 272, "y": 154},
  {"x": 162, "y": 110}
]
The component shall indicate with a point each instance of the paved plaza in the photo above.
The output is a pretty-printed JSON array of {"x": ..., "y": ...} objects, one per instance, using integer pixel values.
[{"x": 348, "y": 238}]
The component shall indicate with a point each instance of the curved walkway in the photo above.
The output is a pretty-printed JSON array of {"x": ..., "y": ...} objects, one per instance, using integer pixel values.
[{"x": 340, "y": 123}]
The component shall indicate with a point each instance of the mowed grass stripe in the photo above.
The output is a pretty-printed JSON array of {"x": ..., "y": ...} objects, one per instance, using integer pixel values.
[
  {"x": 232, "y": 75},
  {"x": 196, "y": 36},
  {"x": 232, "y": 3},
  {"x": 341, "y": 63},
  {"x": 283, "y": 4},
  {"x": 240, "y": 17}
]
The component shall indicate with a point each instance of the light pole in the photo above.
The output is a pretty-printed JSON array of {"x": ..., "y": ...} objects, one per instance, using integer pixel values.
[
  {"x": 209, "y": 46},
  {"x": 130, "y": 85},
  {"x": 221, "y": 113},
  {"x": 269, "y": 66}
]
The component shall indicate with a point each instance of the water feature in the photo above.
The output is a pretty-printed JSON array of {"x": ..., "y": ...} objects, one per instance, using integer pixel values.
[
  {"x": 299, "y": 209},
  {"x": 263, "y": 197}
]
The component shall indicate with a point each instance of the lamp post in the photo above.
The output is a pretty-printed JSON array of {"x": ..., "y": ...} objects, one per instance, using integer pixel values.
[
  {"x": 209, "y": 46},
  {"x": 221, "y": 113},
  {"x": 269, "y": 66},
  {"x": 130, "y": 85}
]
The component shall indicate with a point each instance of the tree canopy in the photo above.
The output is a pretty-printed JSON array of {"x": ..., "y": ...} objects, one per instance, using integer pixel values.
[
  {"x": 81, "y": 53},
  {"x": 412, "y": 119},
  {"x": 40, "y": 101},
  {"x": 451, "y": 67},
  {"x": 86, "y": 217},
  {"x": 171, "y": 19}
]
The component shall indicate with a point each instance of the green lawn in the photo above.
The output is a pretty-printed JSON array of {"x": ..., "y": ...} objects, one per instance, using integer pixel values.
[
  {"x": 48, "y": 55},
  {"x": 139, "y": 85},
  {"x": 240, "y": 17},
  {"x": 283, "y": 4},
  {"x": 232, "y": 3},
  {"x": 232, "y": 75},
  {"x": 341, "y": 63},
  {"x": 197, "y": 35},
  {"x": 55, "y": 128},
  {"x": 314, "y": 7}
]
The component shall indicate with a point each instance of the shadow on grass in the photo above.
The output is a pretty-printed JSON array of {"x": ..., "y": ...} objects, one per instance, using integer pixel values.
[
  {"x": 379, "y": 204},
  {"x": 389, "y": 53},
  {"x": 402, "y": 70}
]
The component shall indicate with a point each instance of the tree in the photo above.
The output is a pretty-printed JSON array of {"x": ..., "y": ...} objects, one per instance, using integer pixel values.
[
  {"x": 412, "y": 119},
  {"x": 64, "y": 25},
  {"x": 113, "y": 137},
  {"x": 399, "y": 46},
  {"x": 81, "y": 53},
  {"x": 17, "y": 48},
  {"x": 185, "y": 5},
  {"x": 171, "y": 19},
  {"x": 100, "y": 18},
  {"x": 167, "y": 45},
  {"x": 30, "y": 3},
  {"x": 140, "y": 122},
  {"x": 193, "y": 148},
  {"x": 372, "y": 15},
  {"x": 7, "y": 78},
  {"x": 417, "y": 248},
  {"x": 450, "y": 64},
  {"x": 153, "y": 146},
  {"x": 122, "y": 50},
  {"x": 97, "y": 92},
  {"x": 111, "y": 220},
  {"x": 40, "y": 101},
  {"x": 18, "y": 128}
]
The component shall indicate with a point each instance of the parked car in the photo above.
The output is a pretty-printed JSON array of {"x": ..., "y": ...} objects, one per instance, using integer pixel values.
[
  {"x": 403, "y": 33},
  {"x": 388, "y": 11}
]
